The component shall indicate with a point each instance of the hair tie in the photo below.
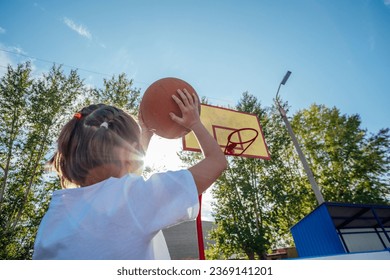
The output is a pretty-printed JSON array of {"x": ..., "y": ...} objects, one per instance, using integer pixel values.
[
  {"x": 78, "y": 115},
  {"x": 104, "y": 124}
]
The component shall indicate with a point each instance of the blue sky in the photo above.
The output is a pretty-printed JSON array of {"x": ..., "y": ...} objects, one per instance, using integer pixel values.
[{"x": 338, "y": 51}]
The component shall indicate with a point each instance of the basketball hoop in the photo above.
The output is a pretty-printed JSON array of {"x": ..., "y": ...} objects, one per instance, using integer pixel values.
[
  {"x": 237, "y": 133},
  {"x": 238, "y": 144}
]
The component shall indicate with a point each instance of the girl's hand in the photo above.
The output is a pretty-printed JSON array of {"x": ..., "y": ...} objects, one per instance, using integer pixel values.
[{"x": 189, "y": 106}]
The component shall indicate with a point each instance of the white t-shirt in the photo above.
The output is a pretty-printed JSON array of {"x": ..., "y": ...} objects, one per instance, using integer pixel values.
[{"x": 119, "y": 218}]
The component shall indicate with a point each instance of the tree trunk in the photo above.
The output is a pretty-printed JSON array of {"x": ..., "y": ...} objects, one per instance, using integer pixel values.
[{"x": 250, "y": 254}]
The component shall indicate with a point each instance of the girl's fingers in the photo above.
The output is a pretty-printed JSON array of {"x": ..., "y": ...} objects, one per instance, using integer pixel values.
[
  {"x": 188, "y": 96},
  {"x": 179, "y": 102},
  {"x": 186, "y": 102},
  {"x": 196, "y": 100},
  {"x": 183, "y": 97}
]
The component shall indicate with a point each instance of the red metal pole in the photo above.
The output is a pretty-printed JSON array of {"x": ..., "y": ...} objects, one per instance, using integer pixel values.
[{"x": 200, "y": 231}]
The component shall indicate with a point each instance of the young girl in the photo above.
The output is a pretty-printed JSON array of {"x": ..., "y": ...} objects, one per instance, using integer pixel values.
[{"x": 115, "y": 213}]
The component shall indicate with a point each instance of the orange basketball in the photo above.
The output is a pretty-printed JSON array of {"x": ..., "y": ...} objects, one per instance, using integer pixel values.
[{"x": 157, "y": 103}]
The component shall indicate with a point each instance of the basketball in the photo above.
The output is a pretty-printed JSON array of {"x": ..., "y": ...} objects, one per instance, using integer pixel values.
[{"x": 157, "y": 103}]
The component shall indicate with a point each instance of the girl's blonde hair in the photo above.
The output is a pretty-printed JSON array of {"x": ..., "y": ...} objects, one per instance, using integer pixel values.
[{"x": 88, "y": 141}]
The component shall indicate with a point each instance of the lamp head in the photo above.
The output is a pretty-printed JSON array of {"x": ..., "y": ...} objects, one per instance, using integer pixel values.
[{"x": 283, "y": 82}]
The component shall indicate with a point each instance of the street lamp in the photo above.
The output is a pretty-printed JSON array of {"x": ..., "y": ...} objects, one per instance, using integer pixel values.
[{"x": 309, "y": 173}]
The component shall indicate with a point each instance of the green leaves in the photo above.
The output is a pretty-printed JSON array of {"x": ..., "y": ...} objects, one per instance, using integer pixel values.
[
  {"x": 257, "y": 202},
  {"x": 118, "y": 92},
  {"x": 349, "y": 165},
  {"x": 32, "y": 111}
]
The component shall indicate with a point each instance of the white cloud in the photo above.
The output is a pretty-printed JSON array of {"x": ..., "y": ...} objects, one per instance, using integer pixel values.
[
  {"x": 2, "y": 30},
  {"x": 387, "y": 2},
  {"x": 18, "y": 50},
  {"x": 80, "y": 29}
]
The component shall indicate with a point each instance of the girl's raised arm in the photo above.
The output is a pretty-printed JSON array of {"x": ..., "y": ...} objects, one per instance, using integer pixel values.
[{"x": 207, "y": 171}]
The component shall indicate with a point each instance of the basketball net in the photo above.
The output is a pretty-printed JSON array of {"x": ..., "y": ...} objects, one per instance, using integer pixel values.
[{"x": 238, "y": 147}]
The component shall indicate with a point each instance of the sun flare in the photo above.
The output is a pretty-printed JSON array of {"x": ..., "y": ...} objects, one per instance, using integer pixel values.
[{"x": 162, "y": 154}]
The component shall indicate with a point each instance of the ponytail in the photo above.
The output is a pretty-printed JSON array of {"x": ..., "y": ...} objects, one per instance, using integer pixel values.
[{"x": 88, "y": 141}]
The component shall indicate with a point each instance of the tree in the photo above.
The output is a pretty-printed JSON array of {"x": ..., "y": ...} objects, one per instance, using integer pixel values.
[
  {"x": 32, "y": 112},
  {"x": 257, "y": 202},
  {"x": 349, "y": 165},
  {"x": 118, "y": 92}
]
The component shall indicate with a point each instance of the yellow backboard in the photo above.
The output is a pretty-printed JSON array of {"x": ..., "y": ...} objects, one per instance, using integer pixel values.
[{"x": 237, "y": 133}]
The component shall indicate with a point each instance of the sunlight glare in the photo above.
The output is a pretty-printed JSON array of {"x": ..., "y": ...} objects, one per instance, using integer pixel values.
[{"x": 162, "y": 154}]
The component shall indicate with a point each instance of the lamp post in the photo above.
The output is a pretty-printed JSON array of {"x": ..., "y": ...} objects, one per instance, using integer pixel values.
[{"x": 314, "y": 186}]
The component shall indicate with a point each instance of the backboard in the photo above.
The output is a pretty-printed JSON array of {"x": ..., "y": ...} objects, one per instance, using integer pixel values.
[{"x": 237, "y": 133}]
